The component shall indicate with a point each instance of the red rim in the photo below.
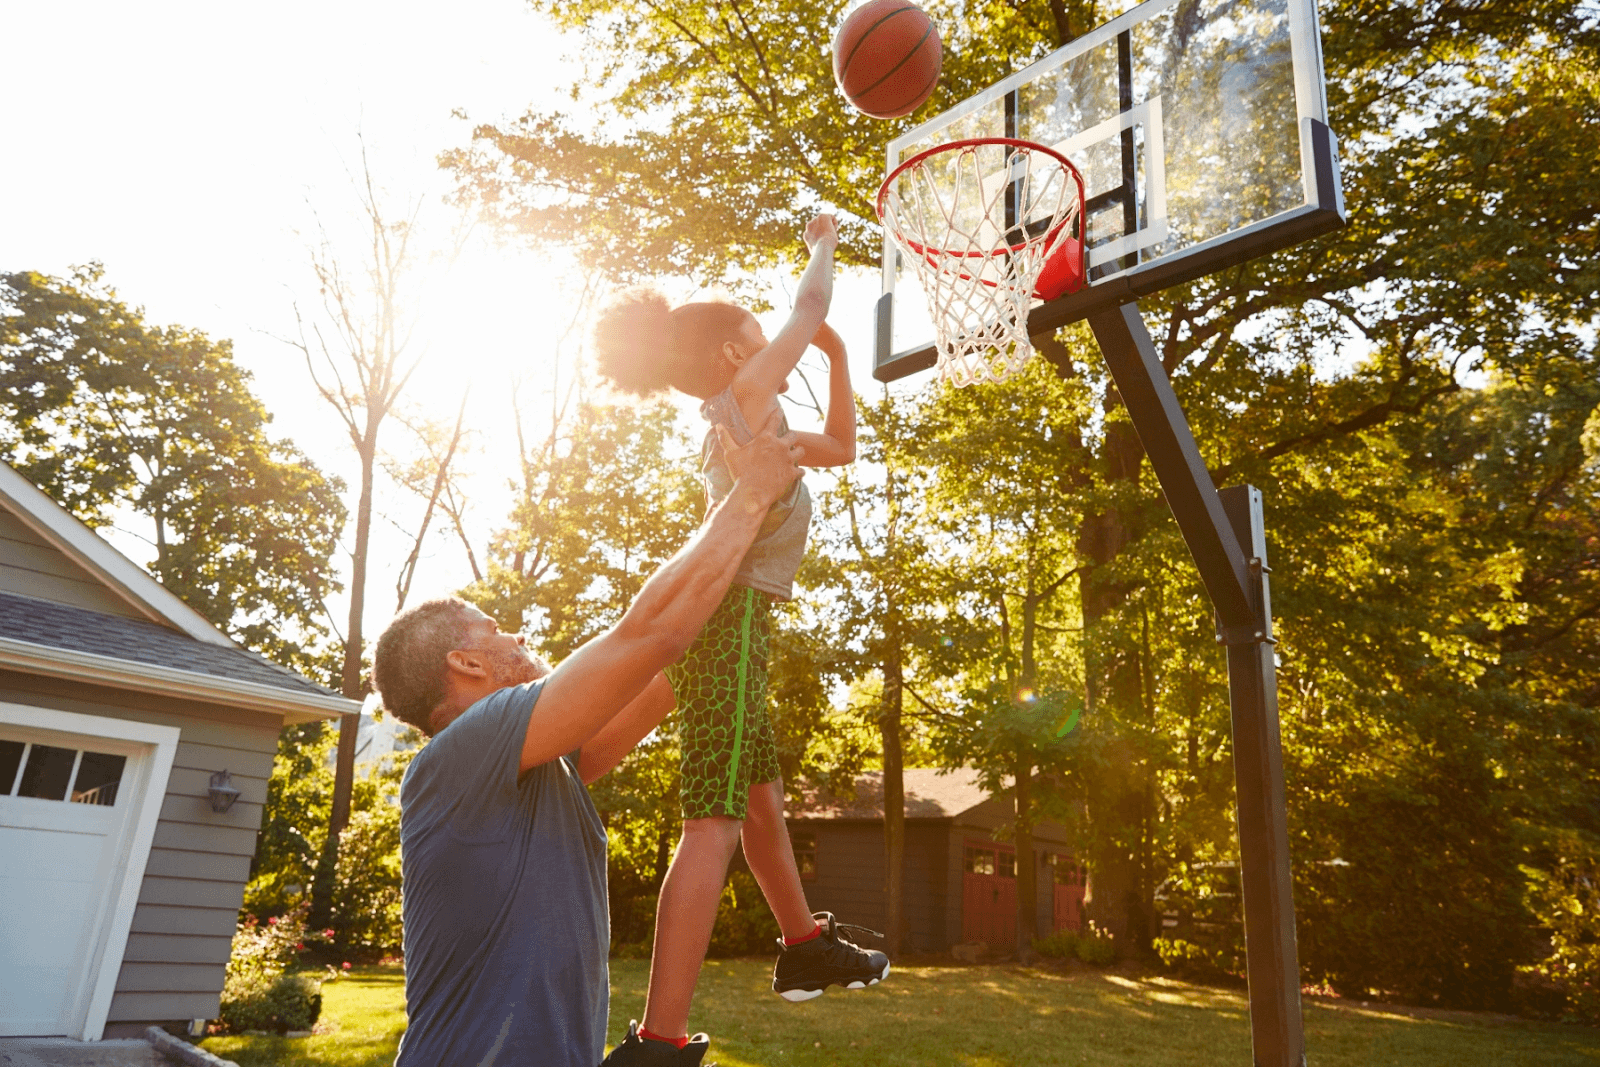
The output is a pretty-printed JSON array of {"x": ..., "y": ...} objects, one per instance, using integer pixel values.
[{"x": 970, "y": 142}]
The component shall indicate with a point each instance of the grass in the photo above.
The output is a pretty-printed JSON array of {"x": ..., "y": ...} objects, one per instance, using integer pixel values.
[{"x": 986, "y": 1016}]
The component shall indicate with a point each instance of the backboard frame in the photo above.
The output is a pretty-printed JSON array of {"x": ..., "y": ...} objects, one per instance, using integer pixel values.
[{"x": 1321, "y": 210}]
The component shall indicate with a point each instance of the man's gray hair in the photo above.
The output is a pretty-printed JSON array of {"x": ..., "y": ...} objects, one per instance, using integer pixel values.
[{"x": 408, "y": 666}]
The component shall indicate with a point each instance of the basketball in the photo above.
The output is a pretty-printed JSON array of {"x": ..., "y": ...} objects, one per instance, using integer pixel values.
[{"x": 886, "y": 58}]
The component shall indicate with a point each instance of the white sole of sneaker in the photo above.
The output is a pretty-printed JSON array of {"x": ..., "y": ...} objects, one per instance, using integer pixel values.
[{"x": 797, "y": 996}]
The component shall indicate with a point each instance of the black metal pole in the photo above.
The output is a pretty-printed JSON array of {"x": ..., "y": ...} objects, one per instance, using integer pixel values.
[{"x": 1226, "y": 535}]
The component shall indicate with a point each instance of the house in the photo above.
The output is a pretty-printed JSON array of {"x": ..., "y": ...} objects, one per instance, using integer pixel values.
[
  {"x": 960, "y": 872},
  {"x": 136, "y": 741}
]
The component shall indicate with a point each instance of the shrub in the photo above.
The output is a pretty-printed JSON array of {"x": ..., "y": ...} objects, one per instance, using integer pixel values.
[
  {"x": 1061, "y": 945},
  {"x": 745, "y": 926},
  {"x": 366, "y": 883},
  {"x": 1566, "y": 900},
  {"x": 1095, "y": 946},
  {"x": 257, "y": 994},
  {"x": 280, "y": 1003}
]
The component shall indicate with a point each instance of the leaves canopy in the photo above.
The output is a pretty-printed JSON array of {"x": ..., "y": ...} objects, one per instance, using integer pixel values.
[{"x": 109, "y": 414}]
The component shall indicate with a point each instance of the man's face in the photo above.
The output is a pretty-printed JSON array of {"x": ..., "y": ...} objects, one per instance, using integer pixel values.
[{"x": 507, "y": 654}]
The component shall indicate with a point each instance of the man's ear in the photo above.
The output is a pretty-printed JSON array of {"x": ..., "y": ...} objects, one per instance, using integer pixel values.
[{"x": 467, "y": 661}]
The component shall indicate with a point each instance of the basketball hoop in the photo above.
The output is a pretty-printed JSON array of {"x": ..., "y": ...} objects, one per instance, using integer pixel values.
[{"x": 988, "y": 224}]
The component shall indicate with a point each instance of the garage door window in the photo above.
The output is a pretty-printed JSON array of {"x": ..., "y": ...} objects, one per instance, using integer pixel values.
[{"x": 49, "y": 772}]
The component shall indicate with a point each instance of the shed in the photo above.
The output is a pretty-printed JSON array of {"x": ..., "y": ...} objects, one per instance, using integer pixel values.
[
  {"x": 960, "y": 871},
  {"x": 120, "y": 709}
]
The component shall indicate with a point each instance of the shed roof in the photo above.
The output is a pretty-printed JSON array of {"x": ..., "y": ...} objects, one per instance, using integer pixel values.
[
  {"x": 930, "y": 794},
  {"x": 44, "y": 622}
]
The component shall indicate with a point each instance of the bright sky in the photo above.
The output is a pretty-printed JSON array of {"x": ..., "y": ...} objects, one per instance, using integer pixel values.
[{"x": 185, "y": 145}]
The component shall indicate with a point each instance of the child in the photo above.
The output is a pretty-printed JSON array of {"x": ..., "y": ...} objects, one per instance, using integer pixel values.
[{"x": 730, "y": 781}]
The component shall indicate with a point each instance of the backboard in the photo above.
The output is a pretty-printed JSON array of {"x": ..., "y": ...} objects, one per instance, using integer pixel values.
[{"x": 1200, "y": 128}]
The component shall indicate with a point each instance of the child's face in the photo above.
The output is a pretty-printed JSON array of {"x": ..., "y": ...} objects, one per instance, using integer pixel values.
[
  {"x": 752, "y": 339},
  {"x": 751, "y": 336}
]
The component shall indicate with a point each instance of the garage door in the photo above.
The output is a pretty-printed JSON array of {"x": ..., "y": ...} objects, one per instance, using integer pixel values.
[{"x": 67, "y": 806}]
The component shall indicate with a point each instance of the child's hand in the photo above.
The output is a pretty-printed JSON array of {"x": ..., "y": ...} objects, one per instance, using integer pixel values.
[
  {"x": 822, "y": 229},
  {"x": 829, "y": 341}
]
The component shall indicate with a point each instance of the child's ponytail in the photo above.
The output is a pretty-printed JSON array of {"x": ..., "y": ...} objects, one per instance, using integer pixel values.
[
  {"x": 644, "y": 346},
  {"x": 633, "y": 342}
]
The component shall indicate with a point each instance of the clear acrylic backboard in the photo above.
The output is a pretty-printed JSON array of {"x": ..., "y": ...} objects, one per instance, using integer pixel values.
[{"x": 1200, "y": 128}]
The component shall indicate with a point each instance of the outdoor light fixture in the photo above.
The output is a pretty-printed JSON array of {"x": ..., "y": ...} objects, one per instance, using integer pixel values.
[{"x": 223, "y": 794}]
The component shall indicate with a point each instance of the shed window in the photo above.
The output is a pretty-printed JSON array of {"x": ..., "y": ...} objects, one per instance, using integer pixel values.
[
  {"x": 99, "y": 774},
  {"x": 804, "y": 843},
  {"x": 47, "y": 773},
  {"x": 10, "y": 761},
  {"x": 52, "y": 773},
  {"x": 979, "y": 860},
  {"x": 1005, "y": 864}
]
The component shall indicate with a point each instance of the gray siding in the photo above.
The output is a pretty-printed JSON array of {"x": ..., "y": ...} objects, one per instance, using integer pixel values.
[
  {"x": 850, "y": 878},
  {"x": 30, "y": 567},
  {"x": 194, "y": 879}
]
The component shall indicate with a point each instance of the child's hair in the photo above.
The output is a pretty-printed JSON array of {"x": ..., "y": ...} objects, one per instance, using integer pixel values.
[{"x": 644, "y": 346}]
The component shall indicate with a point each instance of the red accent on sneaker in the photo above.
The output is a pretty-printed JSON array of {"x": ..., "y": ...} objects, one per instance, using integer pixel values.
[
  {"x": 679, "y": 1042},
  {"x": 815, "y": 933}
]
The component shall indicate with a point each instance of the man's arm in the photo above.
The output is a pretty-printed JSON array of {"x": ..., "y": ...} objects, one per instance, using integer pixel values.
[
  {"x": 597, "y": 681},
  {"x": 616, "y": 738}
]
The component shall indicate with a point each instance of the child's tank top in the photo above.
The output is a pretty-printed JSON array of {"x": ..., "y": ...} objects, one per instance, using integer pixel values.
[{"x": 773, "y": 559}]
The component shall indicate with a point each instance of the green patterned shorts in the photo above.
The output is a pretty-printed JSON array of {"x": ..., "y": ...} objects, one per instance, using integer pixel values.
[{"x": 721, "y": 690}]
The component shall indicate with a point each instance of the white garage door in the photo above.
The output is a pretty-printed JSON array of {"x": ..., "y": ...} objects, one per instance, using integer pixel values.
[{"x": 67, "y": 807}]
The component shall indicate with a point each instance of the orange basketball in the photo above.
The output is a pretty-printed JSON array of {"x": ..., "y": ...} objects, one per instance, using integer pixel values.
[{"x": 886, "y": 58}]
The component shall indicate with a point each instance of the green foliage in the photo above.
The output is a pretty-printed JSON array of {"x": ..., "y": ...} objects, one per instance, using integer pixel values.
[
  {"x": 258, "y": 993},
  {"x": 365, "y": 915},
  {"x": 1417, "y": 395},
  {"x": 1061, "y": 945},
  {"x": 1095, "y": 946},
  {"x": 104, "y": 411},
  {"x": 1565, "y": 896},
  {"x": 745, "y": 926},
  {"x": 603, "y": 502}
]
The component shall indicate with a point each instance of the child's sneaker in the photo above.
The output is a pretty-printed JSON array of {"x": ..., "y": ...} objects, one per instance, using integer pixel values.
[
  {"x": 635, "y": 1051},
  {"x": 805, "y": 970}
]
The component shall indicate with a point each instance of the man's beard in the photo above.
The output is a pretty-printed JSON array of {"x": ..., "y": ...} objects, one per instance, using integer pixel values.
[{"x": 515, "y": 668}]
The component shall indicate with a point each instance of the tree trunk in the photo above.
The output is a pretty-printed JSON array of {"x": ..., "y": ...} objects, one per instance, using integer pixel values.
[
  {"x": 894, "y": 798},
  {"x": 351, "y": 686},
  {"x": 1027, "y": 876}
]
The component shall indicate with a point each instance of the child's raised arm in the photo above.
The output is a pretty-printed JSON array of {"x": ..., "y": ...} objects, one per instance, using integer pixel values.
[
  {"x": 835, "y": 446},
  {"x": 758, "y": 383}
]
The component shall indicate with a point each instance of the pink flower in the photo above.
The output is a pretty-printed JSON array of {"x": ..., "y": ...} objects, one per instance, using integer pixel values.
[
  {"x": 347, "y": 965},
  {"x": 327, "y": 933},
  {"x": 272, "y": 921},
  {"x": 299, "y": 947}
]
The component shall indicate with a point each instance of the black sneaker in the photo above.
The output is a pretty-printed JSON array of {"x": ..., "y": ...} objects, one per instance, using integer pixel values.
[
  {"x": 635, "y": 1050},
  {"x": 805, "y": 970}
]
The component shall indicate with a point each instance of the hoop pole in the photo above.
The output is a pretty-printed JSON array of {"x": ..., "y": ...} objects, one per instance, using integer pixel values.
[{"x": 1226, "y": 535}]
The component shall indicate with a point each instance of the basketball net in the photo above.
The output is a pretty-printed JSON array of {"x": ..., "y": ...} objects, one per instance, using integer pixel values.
[{"x": 979, "y": 221}]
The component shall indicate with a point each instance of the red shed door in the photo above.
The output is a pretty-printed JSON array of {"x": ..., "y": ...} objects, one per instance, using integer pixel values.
[
  {"x": 1069, "y": 894},
  {"x": 989, "y": 894}
]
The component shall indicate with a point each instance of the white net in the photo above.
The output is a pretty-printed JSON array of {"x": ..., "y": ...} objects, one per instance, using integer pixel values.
[{"x": 978, "y": 221}]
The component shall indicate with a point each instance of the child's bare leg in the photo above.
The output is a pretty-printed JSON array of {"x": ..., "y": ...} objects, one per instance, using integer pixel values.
[
  {"x": 685, "y": 914},
  {"x": 771, "y": 859}
]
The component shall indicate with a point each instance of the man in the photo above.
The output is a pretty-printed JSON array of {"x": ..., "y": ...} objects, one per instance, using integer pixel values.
[{"x": 506, "y": 927}]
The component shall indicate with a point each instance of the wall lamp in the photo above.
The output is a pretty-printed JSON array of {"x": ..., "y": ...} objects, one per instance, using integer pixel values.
[{"x": 222, "y": 791}]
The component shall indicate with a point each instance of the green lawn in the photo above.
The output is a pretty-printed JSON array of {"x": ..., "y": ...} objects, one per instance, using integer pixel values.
[{"x": 995, "y": 1016}]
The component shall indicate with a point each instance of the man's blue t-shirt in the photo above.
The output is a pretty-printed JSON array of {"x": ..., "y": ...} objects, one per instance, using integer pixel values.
[{"x": 506, "y": 927}]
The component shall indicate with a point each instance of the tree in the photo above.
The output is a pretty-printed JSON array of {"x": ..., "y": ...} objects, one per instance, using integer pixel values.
[
  {"x": 869, "y": 559},
  {"x": 105, "y": 412},
  {"x": 1334, "y": 376}
]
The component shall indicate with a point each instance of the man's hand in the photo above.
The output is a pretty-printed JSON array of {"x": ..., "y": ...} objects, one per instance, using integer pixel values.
[{"x": 767, "y": 466}]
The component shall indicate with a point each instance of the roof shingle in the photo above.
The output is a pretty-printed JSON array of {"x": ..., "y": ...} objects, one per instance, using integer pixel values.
[
  {"x": 930, "y": 794},
  {"x": 43, "y": 622}
]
